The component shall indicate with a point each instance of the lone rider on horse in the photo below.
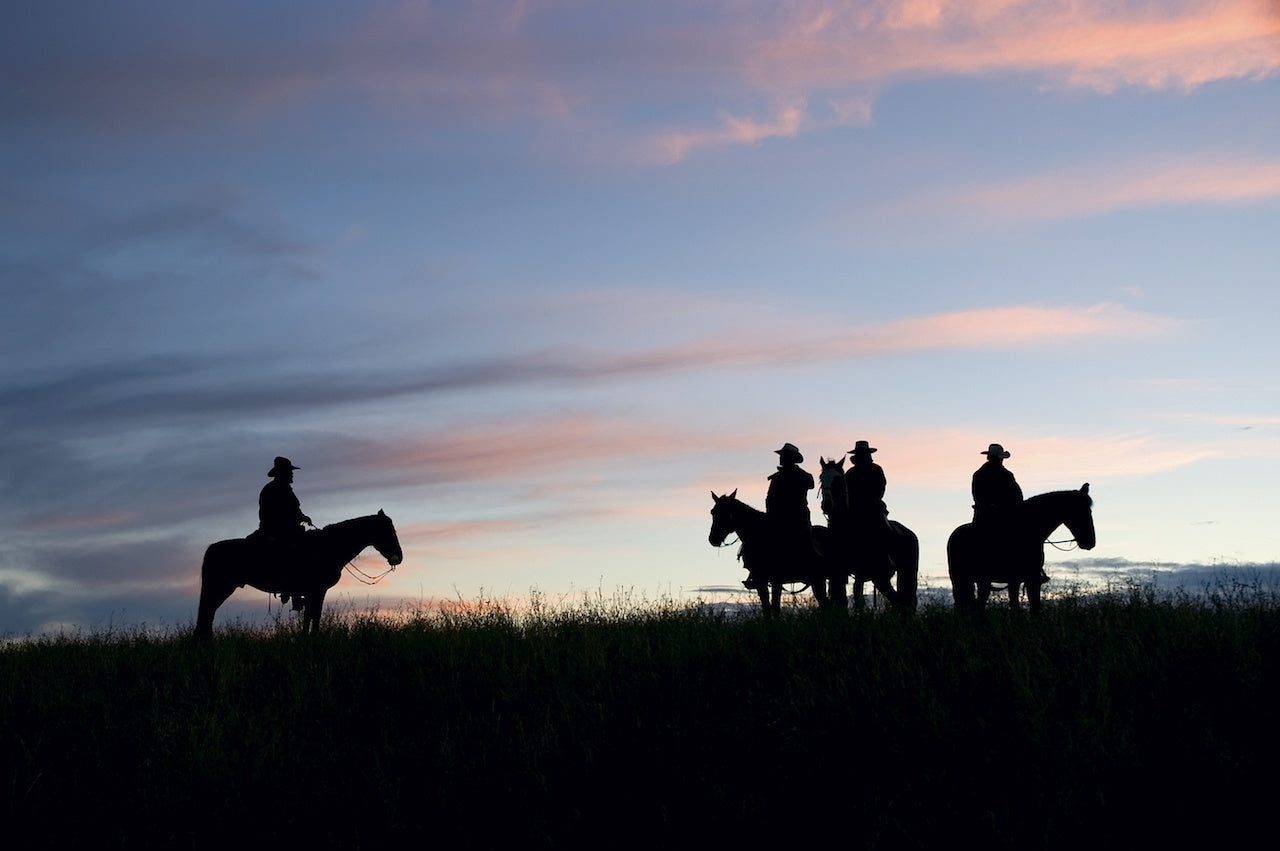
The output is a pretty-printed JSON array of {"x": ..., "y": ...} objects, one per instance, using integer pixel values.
[
  {"x": 997, "y": 497},
  {"x": 280, "y": 516}
]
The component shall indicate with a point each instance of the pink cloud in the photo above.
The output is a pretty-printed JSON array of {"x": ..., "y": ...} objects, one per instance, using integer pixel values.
[
  {"x": 674, "y": 146},
  {"x": 854, "y": 46},
  {"x": 1079, "y": 43},
  {"x": 509, "y": 451},
  {"x": 981, "y": 328},
  {"x": 1088, "y": 191}
]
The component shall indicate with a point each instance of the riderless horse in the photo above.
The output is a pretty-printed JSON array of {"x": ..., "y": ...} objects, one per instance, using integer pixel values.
[
  {"x": 862, "y": 558},
  {"x": 305, "y": 574},
  {"x": 1012, "y": 550},
  {"x": 770, "y": 560}
]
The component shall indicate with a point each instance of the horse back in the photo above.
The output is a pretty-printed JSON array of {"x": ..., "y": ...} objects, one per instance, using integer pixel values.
[
  {"x": 227, "y": 549},
  {"x": 992, "y": 555}
]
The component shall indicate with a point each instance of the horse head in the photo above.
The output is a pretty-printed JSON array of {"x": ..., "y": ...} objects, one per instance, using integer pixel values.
[
  {"x": 1080, "y": 519},
  {"x": 386, "y": 541},
  {"x": 831, "y": 481},
  {"x": 722, "y": 520}
]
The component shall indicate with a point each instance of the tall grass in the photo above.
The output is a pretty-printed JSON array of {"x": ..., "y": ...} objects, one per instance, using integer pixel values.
[{"x": 1125, "y": 716}]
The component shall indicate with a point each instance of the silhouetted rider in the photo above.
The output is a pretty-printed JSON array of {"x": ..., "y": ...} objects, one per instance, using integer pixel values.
[
  {"x": 787, "y": 502},
  {"x": 279, "y": 512},
  {"x": 280, "y": 516},
  {"x": 995, "y": 491},
  {"x": 866, "y": 483}
]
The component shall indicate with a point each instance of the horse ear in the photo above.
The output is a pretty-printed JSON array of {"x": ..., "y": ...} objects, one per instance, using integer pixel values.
[
  {"x": 1085, "y": 489},
  {"x": 734, "y": 494},
  {"x": 381, "y": 513}
]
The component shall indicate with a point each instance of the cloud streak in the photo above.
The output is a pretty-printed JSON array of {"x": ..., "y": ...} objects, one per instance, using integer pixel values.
[
  {"x": 183, "y": 390},
  {"x": 1087, "y": 191}
]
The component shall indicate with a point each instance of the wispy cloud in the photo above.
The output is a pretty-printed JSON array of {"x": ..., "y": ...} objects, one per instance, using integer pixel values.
[
  {"x": 806, "y": 51},
  {"x": 768, "y": 70},
  {"x": 170, "y": 391},
  {"x": 1086, "y": 191},
  {"x": 1094, "y": 44}
]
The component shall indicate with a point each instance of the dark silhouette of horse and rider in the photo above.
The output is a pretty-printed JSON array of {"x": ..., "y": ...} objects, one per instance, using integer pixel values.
[
  {"x": 1005, "y": 541},
  {"x": 780, "y": 546},
  {"x": 282, "y": 557},
  {"x": 1003, "y": 544}
]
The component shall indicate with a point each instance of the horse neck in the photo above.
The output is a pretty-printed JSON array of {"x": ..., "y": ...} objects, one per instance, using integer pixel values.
[
  {"x": 350, "y": 537},
  {"x": 748, "y": 520},
  {"x": 1047, "y": 512}
]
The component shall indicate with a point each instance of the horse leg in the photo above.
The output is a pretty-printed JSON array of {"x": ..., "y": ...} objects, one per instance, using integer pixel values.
[
  {"x": 776, "y": 603},
  {"x": 311, "y": 612},
  {"x": 886, "y": 591},
  {"x": 983, "y": 592},
  {"x": 838, "y": 593},
  {"x": 859, "y": 592},
  {"x": 762, "y": 589},
  {"x": 819, "y": 585},
  {"x": 1033, "y": 596},
  {"x": 213, "y": 593},
  {"x": 1013, "y": 595}
]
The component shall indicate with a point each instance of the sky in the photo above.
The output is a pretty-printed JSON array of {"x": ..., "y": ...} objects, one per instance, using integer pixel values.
[{"x": 537, "y": 277}]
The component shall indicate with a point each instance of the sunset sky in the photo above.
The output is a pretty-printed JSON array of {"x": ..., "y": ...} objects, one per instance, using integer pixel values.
[{"x": 536, "y": 277}]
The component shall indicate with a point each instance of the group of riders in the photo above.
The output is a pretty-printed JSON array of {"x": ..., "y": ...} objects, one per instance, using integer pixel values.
[{"x": 996, "y": 495}]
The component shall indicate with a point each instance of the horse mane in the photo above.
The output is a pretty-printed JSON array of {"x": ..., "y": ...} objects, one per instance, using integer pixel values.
[
  {"x": 344, "y": 524},
  {"x": 1058, "y": 495},
  {"x": 751, "y": 510}
]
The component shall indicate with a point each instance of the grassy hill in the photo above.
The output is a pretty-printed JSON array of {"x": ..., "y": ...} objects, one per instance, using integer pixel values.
[{"x": 1105, "y": 720}]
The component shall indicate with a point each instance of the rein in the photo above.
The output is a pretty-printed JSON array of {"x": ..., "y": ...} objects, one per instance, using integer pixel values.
[{"x": 367, "y": 578}]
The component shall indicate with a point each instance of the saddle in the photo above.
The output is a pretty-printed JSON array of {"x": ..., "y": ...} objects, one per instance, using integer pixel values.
[
  {"x": 288, "y": 551},
  {"x": 999, "y": 537}
]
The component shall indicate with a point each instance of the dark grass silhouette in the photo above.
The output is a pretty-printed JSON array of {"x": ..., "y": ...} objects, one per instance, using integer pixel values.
[
  {"x": 1096, "y": 723},
  {"x": 305, "y": 575}
]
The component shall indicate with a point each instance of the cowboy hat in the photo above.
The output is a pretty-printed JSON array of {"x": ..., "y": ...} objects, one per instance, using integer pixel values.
[{"x": 282, "y": 465}]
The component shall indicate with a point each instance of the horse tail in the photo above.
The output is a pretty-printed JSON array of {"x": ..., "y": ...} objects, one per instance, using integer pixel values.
[
  {"x": 960, "y": 566},
  {"x": 906, "y": 560}
]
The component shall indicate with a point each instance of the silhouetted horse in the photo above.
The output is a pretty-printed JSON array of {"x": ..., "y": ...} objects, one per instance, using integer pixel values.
[
  {"x": 1013, "y": 551},
  {"x": 307, "y": 575},
  {"x": 850, "y": 552},
  {"x": 770, "y": 561}
]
